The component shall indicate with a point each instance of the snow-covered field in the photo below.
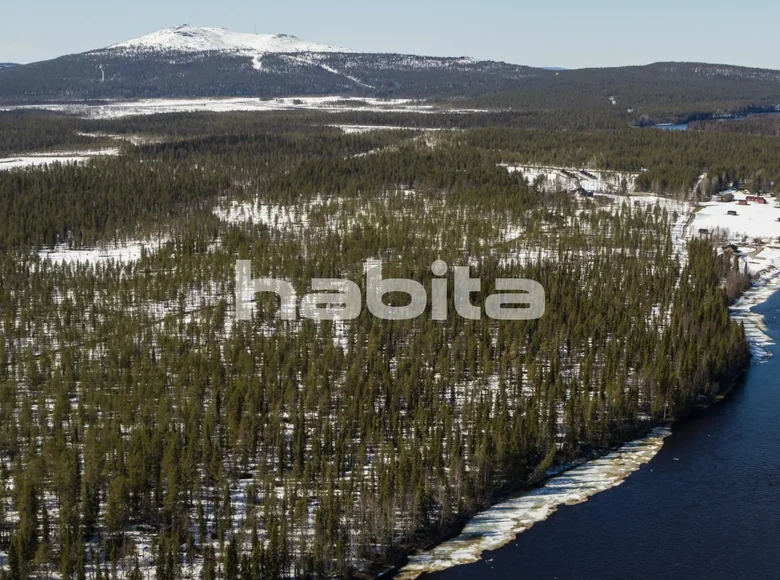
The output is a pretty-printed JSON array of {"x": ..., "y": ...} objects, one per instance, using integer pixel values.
[
  {"x": 563, "y": 178},
  {"x": 500, "y": 524},
  {"x": 752, "y": 221},
  {"x": 755, "y": 231},
  {"x": 41, "y": 159},
  {"x": 129, "y": 137},
  {"x": 359, "y": 129},
  {"x": 120, "y": 253},
  {"x": 118, "y": 109}
]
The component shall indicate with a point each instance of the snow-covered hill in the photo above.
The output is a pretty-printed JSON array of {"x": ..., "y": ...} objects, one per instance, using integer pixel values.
[
  {"x": 207, "y": 39},
  {"x": 200, "y": 62}
]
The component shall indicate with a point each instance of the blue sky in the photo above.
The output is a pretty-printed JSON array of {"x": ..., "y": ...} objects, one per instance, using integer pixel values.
[{"x": 566, "y": 33}]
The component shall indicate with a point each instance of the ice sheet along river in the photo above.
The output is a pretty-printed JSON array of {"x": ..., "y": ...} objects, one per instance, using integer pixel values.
[{"x": 707, "y": 506}]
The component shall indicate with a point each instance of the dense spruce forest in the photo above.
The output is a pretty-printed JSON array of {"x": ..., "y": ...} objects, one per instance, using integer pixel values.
[
  {"x": 144, "y": 431},
  {"x": 655, "y": 93},
  {"x": 117, "y": 74},
  {"x": 586, "y": 98},
  {"x": 760, "y": 124}
]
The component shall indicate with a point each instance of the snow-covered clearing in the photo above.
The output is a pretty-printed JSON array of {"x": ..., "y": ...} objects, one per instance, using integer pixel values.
[
  {"x": 359, "y": 129},
  {"x": 273, "y": 216},
  {"x": 568, "y": 179},
  {"x": 44, "y": 159},
  {"x": 130, "y": 138},
  {"x": 752, "y": 221},
  {"x": 120, "y": 253},
  {"x": 119, "y": 109}
]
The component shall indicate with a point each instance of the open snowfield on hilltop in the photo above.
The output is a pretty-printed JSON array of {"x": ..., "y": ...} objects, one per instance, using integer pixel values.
[
  {"x": 44, "y": 159},
  {"x": 206, "y": 39},
  {"x": 118, "y": 109}
]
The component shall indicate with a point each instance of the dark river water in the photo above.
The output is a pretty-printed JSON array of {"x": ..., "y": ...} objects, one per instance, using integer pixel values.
[
  {"x": 672, "y": 127},
  {"x": 707, "y": 506},
  {"x": 684, "y": 126}
]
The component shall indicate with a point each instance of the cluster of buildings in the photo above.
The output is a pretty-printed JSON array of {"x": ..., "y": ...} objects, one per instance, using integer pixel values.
[
  {"x": 742, "y": 218},
  {"x": 728, "y": 197}
]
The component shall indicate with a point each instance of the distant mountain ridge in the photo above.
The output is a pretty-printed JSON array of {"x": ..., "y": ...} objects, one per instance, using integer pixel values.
[
  {"x": 649, "y": 94},
  {"x": 189, "y": 61},
  {"x": 192, "y": 62}
]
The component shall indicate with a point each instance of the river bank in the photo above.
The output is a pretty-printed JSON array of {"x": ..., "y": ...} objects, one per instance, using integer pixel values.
[
  {"x": 706, "y": 506},
  {"x": 578, "y": 481},
  {"x": 680, "y": 123}
]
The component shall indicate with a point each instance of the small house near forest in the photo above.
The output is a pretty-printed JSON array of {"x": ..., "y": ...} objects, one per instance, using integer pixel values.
[{"x": 724, "y": 197}]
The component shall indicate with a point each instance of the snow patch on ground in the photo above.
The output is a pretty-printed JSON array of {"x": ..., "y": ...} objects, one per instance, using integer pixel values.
[
  {"x": 130, "y": 138},
  {"x": 569, "y": 179},
  {"x": 679, "y": 212},
  {"x": 120, "y": 253},
  {"x": 44, "y": 159},
  {"x": 273, "y": 216},
  {"x": 360, "y": 129}
]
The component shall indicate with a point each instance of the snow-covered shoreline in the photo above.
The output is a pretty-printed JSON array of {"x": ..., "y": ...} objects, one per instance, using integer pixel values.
[
  {"x": 500, "y": 524},
  {"x": 752, "y": 232},
  {"x": 755, "y": 329}
]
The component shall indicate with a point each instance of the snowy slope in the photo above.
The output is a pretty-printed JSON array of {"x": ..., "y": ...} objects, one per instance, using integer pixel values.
[
  {"x": 203, "y": 62},
  {"x": 207, "y": 39}
]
